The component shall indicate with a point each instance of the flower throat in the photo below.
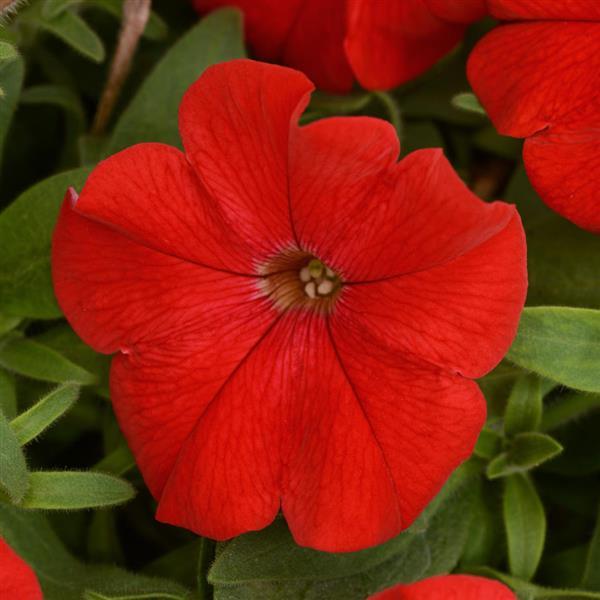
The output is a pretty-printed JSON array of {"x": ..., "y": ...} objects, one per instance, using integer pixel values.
[{"x": 296, "y": 279}]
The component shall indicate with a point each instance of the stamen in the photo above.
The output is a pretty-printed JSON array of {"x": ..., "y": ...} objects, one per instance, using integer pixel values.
[
  {"x": 310, "y": 289},
  {"x": 305, "y": 275},
  {"x": 325, "y": 287}
]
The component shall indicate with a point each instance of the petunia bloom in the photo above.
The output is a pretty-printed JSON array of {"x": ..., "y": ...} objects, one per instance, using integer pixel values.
[
  {"x": 17, "y": 579},
  {"x": 539, "y": 78},
  {"x": 296, "y": 315},
  {"x": 380, "y": 43},
  {"x": 449, "y": 587}
]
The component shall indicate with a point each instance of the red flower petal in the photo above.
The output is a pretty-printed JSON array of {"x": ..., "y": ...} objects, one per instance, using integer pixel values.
[
  {"x": 315, "y": 44},
  {"x": 17, "y": 579},
  {"x": 465, "y": 11},
  {"x": 236, "y": 136},
  {"x": 369, "y": 218},
  {"x": 461, "y": 315},
  {"x": 563, "y": 10},
  {"x": 390, "y": 42},
  {"x": 563, "y": 165},
  {"x": 530, "y": 76},
  {"x": 150, "y": 192},
  {"x": 340, "y": 452},
  {"x": 449, "y": 587},
  {"x": 120, "y": 294},
  {"x": 550, "y": 77}
]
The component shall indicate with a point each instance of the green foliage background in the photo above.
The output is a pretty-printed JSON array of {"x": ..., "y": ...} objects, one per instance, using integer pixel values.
[{"x": 524, "y": 509}]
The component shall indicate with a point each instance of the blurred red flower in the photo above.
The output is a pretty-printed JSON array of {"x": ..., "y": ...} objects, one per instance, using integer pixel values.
[
  {"x": 538, "y": 77},
  {"x": 297, "y": 316},
  {"x": 17, "y": 579},
  {"x": 381, "y": 43},
  {"x": 449, "y": 587}
]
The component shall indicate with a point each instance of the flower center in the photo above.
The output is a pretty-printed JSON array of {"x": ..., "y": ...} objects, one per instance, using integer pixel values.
[{"x": 296, "y": 279}]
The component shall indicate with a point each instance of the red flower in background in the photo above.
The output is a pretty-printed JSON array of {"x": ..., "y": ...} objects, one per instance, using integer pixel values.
[
  {"x": 17, "y": 579},
  {"x": 538, "y": 77},
  {"x": 449, "y": 587},
  {"x": 381, "y": 43},
  {"x": 296, "y": 315}
]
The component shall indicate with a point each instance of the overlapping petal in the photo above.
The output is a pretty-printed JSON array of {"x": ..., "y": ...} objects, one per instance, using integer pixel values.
[
  {"x": 549, "y": 74},
  {"x": 330, "y": 432},
  {"x": 151, "y": 193},
  {"x": 390, "y": 42},
  {"x": 449, "y": 587},
  {"x": 17, "y": 579},
  {"x": 369, "y": 218},
  {"x": 315, "y": 44},
  {"x": 236, "y": 136},
  {"x": 461, "y": 315}
]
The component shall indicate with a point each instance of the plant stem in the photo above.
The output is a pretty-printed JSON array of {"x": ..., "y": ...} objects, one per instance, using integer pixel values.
[{"x": 135, "y": 17}]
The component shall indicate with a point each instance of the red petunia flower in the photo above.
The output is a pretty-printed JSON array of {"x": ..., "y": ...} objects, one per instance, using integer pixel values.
[
  {"x": 17, "y": 579},
  {"x": 449, "y": 587},
  {"x": 296, "y": 316},
  {"x": 381, "y": 43},
  {"x": 539, "y": 79}
]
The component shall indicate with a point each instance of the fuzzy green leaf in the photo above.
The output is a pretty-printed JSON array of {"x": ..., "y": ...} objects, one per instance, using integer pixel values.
[
  {"x": 152, "y": 114},
  {"x": 524, "y": 408},
  {"x": 70, "y": 490},
  {"x": 42, "y": 414},
  {"x": 25, "y": 232},
  {"x": 525, "y": 524},
  {"x": 560, "y": 343},
  {"x": 7, "y": 51},
  {"x": 32, "y": 359},
  {"x": 14, "y": 478}
]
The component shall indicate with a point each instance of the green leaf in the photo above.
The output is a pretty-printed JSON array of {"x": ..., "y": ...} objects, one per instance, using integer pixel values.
[
  {"x": 488, "y": 443},
  {"x": 531, "y": 449},
  {"x": 70, "y": 490},
  {"x": 346, "y": 104},
  {"x": 29, "y": 358},
  {"x": 8, "y": 323},
  {"x": 7, "y": 51},
  {"x": 272, "y": 554},
  {"x": 560, "y": 343},
  {"x": 469, "y": 102},
  {"x": 525, "y": 524},
  {"x": 568, "y": 407},
  {"x": 14, "y": 478},
  {"x": 71, "y": 29},
  {"x": 11, "y": 80},
  {"x": 42, "y": 414},
  {"x": 64, "y": 578},
  {"x": 524, "y": 408},
  {"x": 8, "y": 395},
  {"x": 152, "y": 114},
  {"x": 591, "y": 574},
  {"x": 526, "y": 451},
  {"x": 563, "y": 261},
  {"x": 25, "y": 232}
]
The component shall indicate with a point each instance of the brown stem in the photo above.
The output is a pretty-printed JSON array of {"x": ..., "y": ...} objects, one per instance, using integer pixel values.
[
  {"x": 135, "y": 17},
  {"x": 489, "y": 178}
]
